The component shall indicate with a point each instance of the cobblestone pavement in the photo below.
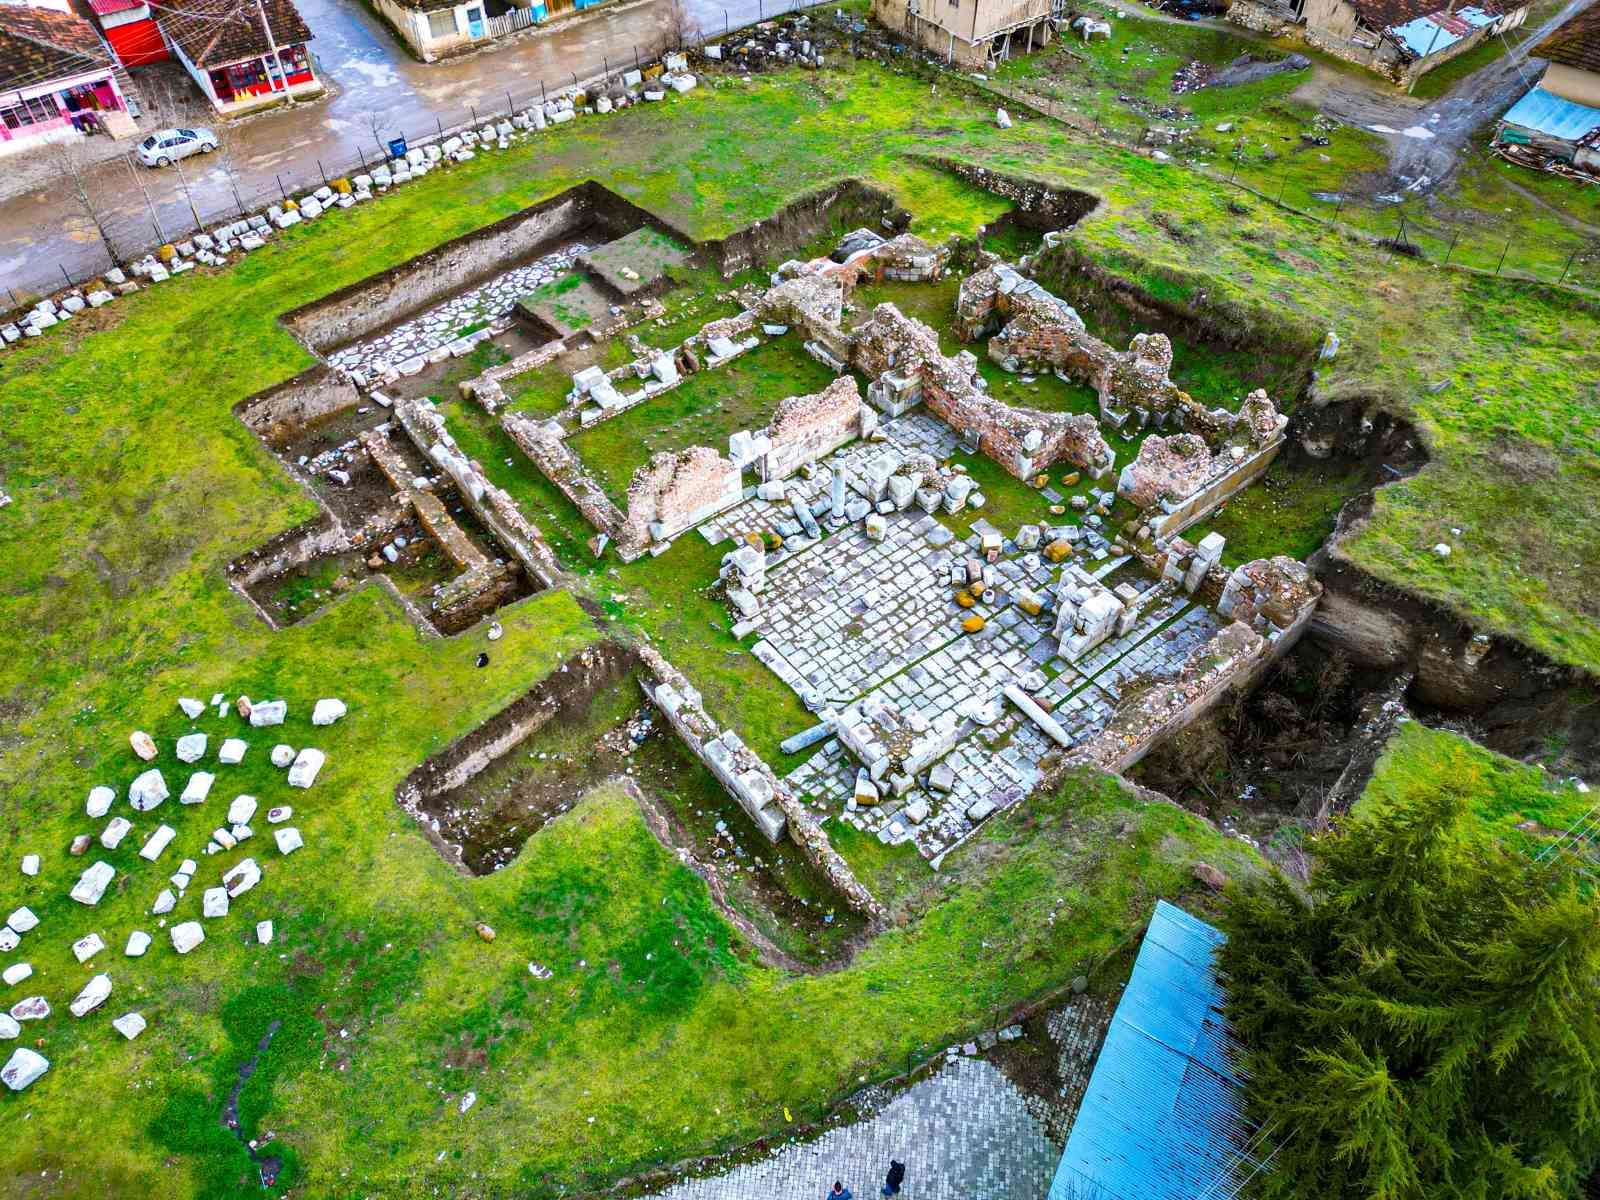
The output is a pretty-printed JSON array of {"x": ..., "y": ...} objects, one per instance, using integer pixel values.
[{"x": 964, "y": 1134}]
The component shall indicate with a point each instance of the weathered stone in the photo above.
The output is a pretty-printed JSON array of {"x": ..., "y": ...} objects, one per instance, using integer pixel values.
[
  {"x": 191, "y": 707},
  {"x": 327, "y": 711},
  {"x": 214, "y": 903},
  {"x": 157, "y": 842},
  {"x": 100, "y": 801},
  {"x": 191, "y": 747},
  {"x": 138, "y": 943},
  {"x": 143, "y": 744},
  {"x": 303, "y": 772},
  {"x": 165, "y": 902},
  {"x": 116, "y": 829},
  {"x": 149, "y": 790},
  {"x": 232, "y": 751},
  {"x": 288, "y": 839},
  {"x": 241, "y": 878},
  {"x": 241, "y": 810},
  {"x": 95, "y": 993},
  {"x": 264, "y": 932},
  {"x": 129, "y": 1025},
  {"x": 23, "y": 1068},
  {"x": 1210, "y": 876},
  {"x": 198, "y": 788},
  {"x": 187, "y": 935},
  {"x": 90, "y": 887},
  {"x": 282, "y": 755},
  {"x": 88, "y": 946},
  {"x": 268, "y": 712}
]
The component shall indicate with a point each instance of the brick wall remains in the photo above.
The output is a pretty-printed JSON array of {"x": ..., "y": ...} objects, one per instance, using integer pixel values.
[
  {"x": 806, "y": 428},
  {"x": 675, "y": 490}
]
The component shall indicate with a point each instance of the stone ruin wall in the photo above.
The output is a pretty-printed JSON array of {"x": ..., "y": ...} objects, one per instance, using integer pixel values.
[
  {"x": 802, "y": 221},
  {"x": 750, "y": 780},
  {"x": 1272, "y": 602},
  {"x": 674, "y": 491},
  {"x": 547, "y": 450},
  {"x": 806, "y": 428}
]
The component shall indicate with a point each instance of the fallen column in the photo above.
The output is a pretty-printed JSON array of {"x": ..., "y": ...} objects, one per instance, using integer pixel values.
[{"x": 1038, "y": 715}]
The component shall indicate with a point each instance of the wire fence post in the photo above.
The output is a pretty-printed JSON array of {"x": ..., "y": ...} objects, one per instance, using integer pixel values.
[
  {"x": 281, "y": 190},
  {"x": 1571, "y": 258},
  {"x": 321, "y": 170},
  {"x": 1456, "y": 237},
  {"x": 511, "y": 106},
  {"x": 439, "y": 125},
  {"x": 474, "y": 109},
  {"x": 1281, "y": 188},
  {"x": 69, "y": 279},
  {"x": 1503, "y": 254}
]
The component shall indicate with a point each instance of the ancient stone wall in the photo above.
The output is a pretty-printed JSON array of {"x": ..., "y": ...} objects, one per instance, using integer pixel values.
[
  {"x": 281, "y": 412},
  {"x": 546, "y": 447},
  {"x": 674, "y": 491},
  {"x": 1262, "y": 18},
  {"x": 806, "y": 428},
  {"x": 767, "y": 798},
  {"x": 839, "y": 206},
  {"x": 1035, "y": 205}
]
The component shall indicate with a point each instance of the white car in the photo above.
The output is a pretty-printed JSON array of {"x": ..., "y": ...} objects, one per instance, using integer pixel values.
[{"x": 165, "y": 146}]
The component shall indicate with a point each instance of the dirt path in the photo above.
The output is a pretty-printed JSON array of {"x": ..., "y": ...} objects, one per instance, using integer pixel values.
[{"x": 1427, "y": 137}]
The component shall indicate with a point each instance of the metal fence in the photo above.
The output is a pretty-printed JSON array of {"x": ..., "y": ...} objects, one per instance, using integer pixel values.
[{"x": 176, "y": 204}]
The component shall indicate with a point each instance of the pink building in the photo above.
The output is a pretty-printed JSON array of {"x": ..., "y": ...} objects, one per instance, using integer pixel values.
[{"x": 57, "y": 80}]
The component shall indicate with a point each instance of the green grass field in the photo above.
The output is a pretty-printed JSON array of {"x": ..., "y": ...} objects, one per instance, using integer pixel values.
[{"x": 134, "y": 485}]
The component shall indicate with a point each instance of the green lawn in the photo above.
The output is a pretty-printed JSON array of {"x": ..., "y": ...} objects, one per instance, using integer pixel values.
[{"x": 134, "y": 485}]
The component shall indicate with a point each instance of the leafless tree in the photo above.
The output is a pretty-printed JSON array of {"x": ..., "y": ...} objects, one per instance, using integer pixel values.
[
  {"x": 680, "y": 27},
  {"x": 70, "y": 161}
]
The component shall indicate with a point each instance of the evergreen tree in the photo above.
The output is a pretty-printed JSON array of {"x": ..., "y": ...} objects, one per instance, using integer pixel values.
[{"x": 1424, "y": 1023}]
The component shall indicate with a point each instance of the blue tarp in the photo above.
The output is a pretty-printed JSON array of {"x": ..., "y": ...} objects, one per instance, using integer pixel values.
[
  {"x": 1162, "y": 1117},
  {"x": 1546, "y": 113}
]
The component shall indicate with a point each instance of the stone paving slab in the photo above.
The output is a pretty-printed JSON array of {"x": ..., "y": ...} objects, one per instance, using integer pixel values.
[{"x": 967, "y": 1133}]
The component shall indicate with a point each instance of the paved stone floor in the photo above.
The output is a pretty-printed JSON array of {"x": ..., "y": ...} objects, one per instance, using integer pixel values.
[
  {"x": 444, "y": 323},
  {"x": 964, "y": 1134},
  {"x": 846, "y": 616}
]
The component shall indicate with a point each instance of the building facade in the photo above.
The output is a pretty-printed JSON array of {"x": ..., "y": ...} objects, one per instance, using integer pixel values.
[
  {"x": 972, "y": 33},
  {"x": 57, "y": 80},
  {"x": 233, "y": 49},
  {"x": 435, "y": 29},
  {"x": 1402, "y": 39},
  {"x": 130, "y": 30},
  {"x": 1559, "y": 117}
]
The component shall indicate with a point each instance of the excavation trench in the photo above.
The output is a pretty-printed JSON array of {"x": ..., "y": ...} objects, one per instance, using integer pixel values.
[{"x": 483, "y": 797}]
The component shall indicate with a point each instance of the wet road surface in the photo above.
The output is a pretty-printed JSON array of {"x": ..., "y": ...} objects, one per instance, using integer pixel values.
[{"x": 378, "y": 91}]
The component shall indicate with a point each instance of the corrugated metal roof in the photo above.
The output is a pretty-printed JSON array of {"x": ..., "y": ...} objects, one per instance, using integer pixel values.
[
  {"x": 1439, "y": 31},
  {"x": 1546, "y": 113},
  {"x": 1162, "y": 1117}
]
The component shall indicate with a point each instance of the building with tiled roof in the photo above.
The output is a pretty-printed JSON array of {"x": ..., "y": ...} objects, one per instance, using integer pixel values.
[
  {"x": 232, "y": 49},
  {"x": 1403, "y": 39},
  {"x": 436, "y": 29},
  {"x": 1559, "y": 117},
  {"x": 57, "y": 80}
]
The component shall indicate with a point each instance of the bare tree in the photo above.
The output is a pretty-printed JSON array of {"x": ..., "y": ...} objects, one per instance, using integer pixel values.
[
  {"x": 680, "y": 27},
  {"x": 70, "y": 161}
]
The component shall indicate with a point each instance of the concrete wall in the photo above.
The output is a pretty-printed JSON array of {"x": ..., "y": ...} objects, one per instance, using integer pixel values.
[{"x": 1581, "y": 87}]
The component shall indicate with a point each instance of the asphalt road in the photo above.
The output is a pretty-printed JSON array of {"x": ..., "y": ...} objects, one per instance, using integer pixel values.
[{"x": 379, "y": 91}]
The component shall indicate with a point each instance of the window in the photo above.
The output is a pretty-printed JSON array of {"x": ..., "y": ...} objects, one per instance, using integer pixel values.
[
  {"x": 442, "y": 24},
  {"x": 30, "y": 112}
]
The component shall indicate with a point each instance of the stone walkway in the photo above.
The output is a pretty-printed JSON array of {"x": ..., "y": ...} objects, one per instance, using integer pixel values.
[{"x": 964, "y": 1134}]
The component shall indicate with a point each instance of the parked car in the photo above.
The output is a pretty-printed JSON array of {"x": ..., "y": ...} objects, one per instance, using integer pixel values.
[{"x": 165, "y": 146}]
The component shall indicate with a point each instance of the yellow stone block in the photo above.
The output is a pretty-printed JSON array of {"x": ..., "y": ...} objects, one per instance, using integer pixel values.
[
  {"x": 1058, "y": 550},
  {"x": 973, "y": 623}
]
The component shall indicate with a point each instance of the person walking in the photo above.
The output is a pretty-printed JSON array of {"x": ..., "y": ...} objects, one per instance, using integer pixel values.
[
  {"x": 896, "y": 1177},
  {"x": 838, "y": 1191}
]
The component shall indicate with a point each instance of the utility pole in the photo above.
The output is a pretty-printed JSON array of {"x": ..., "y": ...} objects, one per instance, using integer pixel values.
[{"x": 276, "y": 57}]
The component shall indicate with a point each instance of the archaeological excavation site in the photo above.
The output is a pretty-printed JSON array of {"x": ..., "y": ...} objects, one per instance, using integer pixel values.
[{"x": 608, "y": 672}]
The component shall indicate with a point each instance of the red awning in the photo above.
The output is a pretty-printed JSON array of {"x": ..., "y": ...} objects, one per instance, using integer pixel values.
[{"x": 137, "y": 43}]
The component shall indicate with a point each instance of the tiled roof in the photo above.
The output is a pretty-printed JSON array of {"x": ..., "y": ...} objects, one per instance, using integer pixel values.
[
  {"x": 38, "y": 44},
  {"x": 1381, "y": 14},
  {"x": 1575, "y": 44},
  {"x": 214, "y": 33}
]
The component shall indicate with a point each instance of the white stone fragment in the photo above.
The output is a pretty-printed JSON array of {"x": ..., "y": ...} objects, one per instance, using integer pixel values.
[
  {"x": 22, "y": 919},
  {"x": 268, "y": 712},
  {"x": 30, "y": 864},
  {"x": 138, "y": 943},
  {"x": 327, "y": 711},
  {"x": 95, "y": 993},
  {"x": 23, "y": 1067},
  {"x": 100, "y": 801},
  {"x": 264, "y": 932},
  {"x": 90, "y": 887},
  {"x": 192, "y": 708},
  {"x": 165, "y": 902},
  {"x": 9, "y": 1028},
  {"x": 241, "y": 810},
  {"x": 88, "y": 946},
  {"x": 232, "y": 751},
  {"x": 282, "y": 755},
  {"x": 149, "y": 790},
  {"x": 116, "y": 829},
  {"x": 34, "y": 1008},
  {"x": 191, "y": 747},
  {"x": 16, "y": 973},
  {"x": 214, "y": 903},
  {"x": 129, "y": 1025},
  {"x": 241, "y": 878},
  {"x": 279, "y": 814},
  {"x": 198, "y": 788},
  {"x": 186, "y": 936},
  {"x": 288, "y": 839},
  {"x": 303, "y": 772},
  {"x": 157, "y": 842}
]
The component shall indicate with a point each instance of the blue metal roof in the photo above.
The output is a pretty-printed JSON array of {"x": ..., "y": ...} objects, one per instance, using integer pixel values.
[
  {"x": 1436, "y": 32},
  {"x": 1546, "y": 113},
  {"x": 1162, "y": 1117}
]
